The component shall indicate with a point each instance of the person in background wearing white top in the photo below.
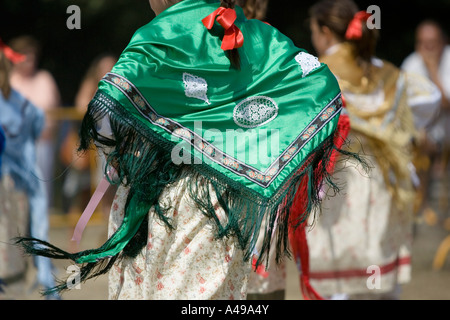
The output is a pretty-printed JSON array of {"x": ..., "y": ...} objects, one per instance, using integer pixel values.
[{"x": 432, "y": 60}]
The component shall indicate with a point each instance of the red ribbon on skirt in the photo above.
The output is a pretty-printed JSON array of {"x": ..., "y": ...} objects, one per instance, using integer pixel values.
[{"x": 297, "y": 237}]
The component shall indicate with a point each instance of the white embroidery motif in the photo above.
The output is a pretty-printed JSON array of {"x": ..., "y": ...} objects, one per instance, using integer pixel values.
[
  {"x": 195, "y": 87},
  {"x": 255, "y": 111},
  {"x": 307, "y": 62}
]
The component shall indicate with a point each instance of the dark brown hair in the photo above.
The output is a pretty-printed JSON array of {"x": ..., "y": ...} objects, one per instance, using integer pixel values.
[
  {"x": 5, "y": 68},
  {"x": 233, "y": 55},
  {"x": 436, "y": 25},
  {"x": 254, "y": 9},
  {"x": 26, "y": 44},
  {"x": 336, "y": 15}
]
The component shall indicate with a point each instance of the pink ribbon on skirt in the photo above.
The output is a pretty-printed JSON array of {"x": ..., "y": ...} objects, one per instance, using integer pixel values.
[{"x": 91, "y": 206}]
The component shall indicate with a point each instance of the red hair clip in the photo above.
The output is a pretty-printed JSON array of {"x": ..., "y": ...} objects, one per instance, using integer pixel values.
[
  {"x": 13, "y": 56},
  {"x": 233, "y": 37},
  {"x": 354, "y": 29}
]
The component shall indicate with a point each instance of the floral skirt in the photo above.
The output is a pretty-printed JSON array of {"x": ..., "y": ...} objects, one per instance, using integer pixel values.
[{"x": 187, "y": 263}]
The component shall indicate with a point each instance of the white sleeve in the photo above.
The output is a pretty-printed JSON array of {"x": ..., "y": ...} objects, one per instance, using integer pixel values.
[
  {"x": 414, "y": 63},
  {"x": 103, "y": 127},
  {"x": 424, "y": 98}
]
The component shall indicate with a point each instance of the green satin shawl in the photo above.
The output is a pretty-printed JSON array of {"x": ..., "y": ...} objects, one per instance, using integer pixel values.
[{"x": 175, "y": 50}]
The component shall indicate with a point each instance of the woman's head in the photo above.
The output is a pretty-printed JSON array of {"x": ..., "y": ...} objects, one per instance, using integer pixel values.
[
  {"x": 29, "y": 47},
  {"x": 329, "y": 21},
  {"x": 430, "y": 38},
  {"x": 8, "y": 57}
]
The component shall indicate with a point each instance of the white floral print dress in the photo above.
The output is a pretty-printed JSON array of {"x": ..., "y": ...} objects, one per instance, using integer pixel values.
[{"x": 187, "y": 263}]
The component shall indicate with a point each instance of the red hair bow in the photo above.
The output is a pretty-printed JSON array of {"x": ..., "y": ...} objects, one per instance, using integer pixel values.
[
  {"x": 354, "y": 29},
  {"x": 233, "y": 37},
  {"x": 13, "y": 56}
]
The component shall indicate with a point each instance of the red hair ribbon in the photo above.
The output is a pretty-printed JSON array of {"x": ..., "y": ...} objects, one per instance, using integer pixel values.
[
  {"x": 13, "y": 56},
  {"x": 354, "y": 29},
  {"x": 233, "y": 37}
]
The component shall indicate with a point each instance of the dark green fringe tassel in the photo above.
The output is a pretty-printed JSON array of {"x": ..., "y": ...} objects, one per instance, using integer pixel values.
[
  {"x": 34, "y": 246},
  {"x": 143, "y": 162}
]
